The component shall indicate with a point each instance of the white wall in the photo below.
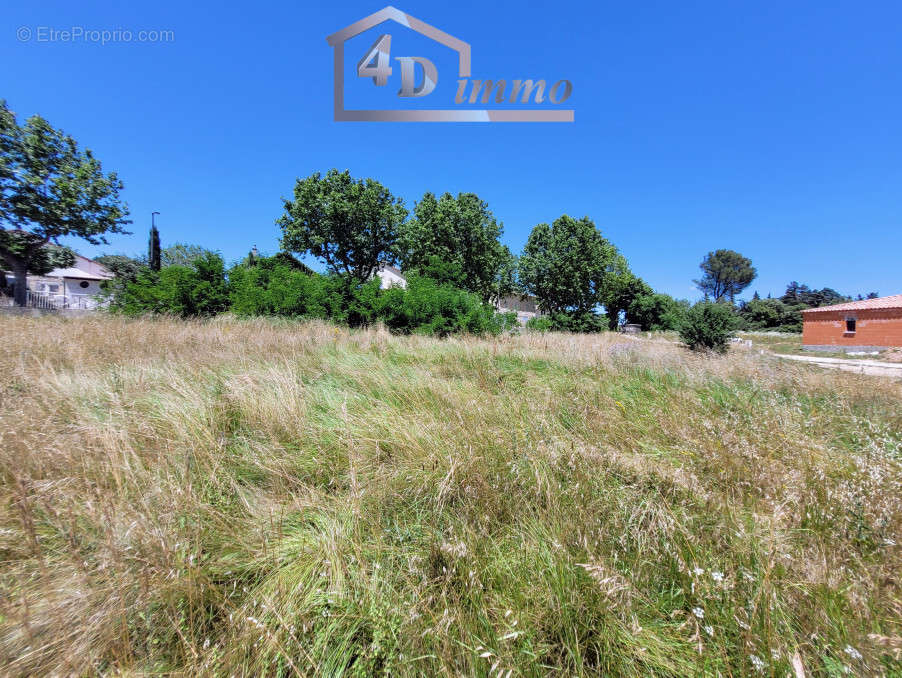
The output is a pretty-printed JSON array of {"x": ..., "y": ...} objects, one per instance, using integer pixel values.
[
  {"x": 73, "y": 287},
  {"x": 389, "y": 278}
]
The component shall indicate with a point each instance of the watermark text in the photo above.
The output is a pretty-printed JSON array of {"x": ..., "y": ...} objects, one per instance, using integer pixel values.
[{"x": 97, "y": 36}]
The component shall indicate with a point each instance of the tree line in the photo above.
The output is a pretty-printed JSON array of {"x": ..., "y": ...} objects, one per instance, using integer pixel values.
[
  {"x": 578, "y": 278},
  {"x": 448, "y": 247}
]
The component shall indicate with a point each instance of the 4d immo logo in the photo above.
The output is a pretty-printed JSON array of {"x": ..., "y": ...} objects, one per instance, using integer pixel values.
[{"x": 378, "y": 65}]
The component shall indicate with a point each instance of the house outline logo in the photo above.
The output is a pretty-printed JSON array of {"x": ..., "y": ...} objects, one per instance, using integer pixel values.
[{"x": 338, "y": 39}]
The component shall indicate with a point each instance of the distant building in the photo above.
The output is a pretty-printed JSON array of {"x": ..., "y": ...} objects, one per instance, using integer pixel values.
[
  {"x": 390, "y": 276},
  {"x": 76, "y": 286},
  {"x": 857, "y": 325},
  {"x": 525, "y": 306}
]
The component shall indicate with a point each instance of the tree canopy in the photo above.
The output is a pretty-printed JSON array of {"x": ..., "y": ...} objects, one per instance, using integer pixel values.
[
  {"x": 457, "y": 236},
  {"x": 567, "y": 264},
  {"x": 351, "y": 225},
  {"x": 122, "y": 266},
  {"x": 182, "y": 254},
  {"x": 725, "y": 274},
  {"x": 49, "y": 188}
]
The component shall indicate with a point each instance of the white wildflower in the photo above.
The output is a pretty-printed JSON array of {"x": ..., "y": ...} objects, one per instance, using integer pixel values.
[
  {"x": 698, "y": 612},
  {"x": 717, "y": 576},
  {"x": 709, "y": 630},
  {"x": 757, "y": 662},
  {"x": 698, "y": 572},
  {"x": 852, "y": 652}
]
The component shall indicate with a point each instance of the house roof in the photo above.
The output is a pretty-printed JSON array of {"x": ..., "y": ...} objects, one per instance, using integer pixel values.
[
  {"x": 390, "y": 269},
  {"x": 75, "y": 273},
  {"x": 881, "y": 303}
]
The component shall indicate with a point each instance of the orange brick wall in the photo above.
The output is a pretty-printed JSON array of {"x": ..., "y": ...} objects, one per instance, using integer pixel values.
[{"x": 872, "y": 328}]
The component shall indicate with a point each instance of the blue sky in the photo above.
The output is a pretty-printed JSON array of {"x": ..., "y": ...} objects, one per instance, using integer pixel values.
[{"x": 767, "y": 127}]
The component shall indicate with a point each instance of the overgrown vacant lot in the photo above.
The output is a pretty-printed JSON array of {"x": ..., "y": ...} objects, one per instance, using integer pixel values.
[{"x": 253, "y": 498}]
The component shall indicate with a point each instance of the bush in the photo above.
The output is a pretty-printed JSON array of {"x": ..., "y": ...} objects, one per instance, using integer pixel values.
[
  {"x": 277, "y": 290},
  {"x": 427, "y": 307},
  {"x": 656, "y": 312},
  {"x": 185, "y": 291},
  {"x": 708, "y": 326},
  {"x": 274, "y": 287},
  {"x": 569, "y": 322},
  {"x": 540, "y": 323}
]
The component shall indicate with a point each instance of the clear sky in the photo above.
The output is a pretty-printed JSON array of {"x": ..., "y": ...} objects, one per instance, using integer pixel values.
[{"x": 770, "y": 127}]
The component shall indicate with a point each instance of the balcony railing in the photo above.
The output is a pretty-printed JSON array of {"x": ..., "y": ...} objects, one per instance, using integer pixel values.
[
  {"x": 85, "y": 302},
  {"x": 32, "y": 300}
]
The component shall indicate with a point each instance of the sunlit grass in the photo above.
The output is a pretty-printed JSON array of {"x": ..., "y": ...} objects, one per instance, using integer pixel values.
[{"x": 272, "y": 498}]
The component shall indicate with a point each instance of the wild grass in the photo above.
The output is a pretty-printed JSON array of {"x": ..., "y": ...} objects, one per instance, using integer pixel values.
[{"x": 268, "y": 498}]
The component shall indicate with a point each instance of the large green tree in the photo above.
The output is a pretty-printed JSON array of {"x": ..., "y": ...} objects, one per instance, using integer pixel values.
[
  {"x": 49, "y": 188},
  {"x": 566, "y": 265},
  {"x": 725, "y": 274},
  {"x": 657, "y": 311},
  {"x": 349, "y": 224},
  {"x": 620, "y": 289},
  {"x": 462, "y": 234}
]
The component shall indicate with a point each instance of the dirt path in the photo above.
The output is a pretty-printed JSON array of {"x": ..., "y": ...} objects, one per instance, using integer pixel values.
[{"x": 872, "y": 367}]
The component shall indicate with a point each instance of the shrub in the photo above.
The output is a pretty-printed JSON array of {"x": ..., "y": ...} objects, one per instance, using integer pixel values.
[
  {"x": 427, "y": 307},
  {"x": 277, "y": 290},
  {"x": 274, "y": 287},
  {"x": 540, "y": 323},
  {"x": 569, "y": 322},
  {"x": 185, "y": 291},
  {"x": 708, "y": 326}
]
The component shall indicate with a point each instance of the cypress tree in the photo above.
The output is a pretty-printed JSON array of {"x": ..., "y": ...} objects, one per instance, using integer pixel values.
[{"x": 153, "y": 252}]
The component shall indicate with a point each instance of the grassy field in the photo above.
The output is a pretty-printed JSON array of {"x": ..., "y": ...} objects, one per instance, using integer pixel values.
[{"x": 260, "y": 498}]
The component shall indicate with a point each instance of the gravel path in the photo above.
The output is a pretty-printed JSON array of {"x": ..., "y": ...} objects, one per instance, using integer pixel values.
[{"x": 873, "y": 367}]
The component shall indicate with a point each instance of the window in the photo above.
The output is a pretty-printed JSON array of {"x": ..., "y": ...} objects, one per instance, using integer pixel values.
[
  {"x": 84, "y": 284},
  {"x": 850, "y": 325}
]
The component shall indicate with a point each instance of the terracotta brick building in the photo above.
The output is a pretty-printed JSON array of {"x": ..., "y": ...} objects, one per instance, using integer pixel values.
[{"x": 856, "y": 325}]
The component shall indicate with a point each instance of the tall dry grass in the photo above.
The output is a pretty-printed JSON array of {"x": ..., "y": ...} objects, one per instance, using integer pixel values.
[{"x": 265, "y": 498}]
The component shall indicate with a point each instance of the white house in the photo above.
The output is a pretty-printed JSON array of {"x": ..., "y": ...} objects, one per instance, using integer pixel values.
[
  {"x": 390, "y": 276},
  {"x": 73, "y": 287}
]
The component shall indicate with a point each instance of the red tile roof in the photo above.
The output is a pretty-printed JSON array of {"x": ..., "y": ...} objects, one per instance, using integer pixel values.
[{"x": 892, "y": 301}]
